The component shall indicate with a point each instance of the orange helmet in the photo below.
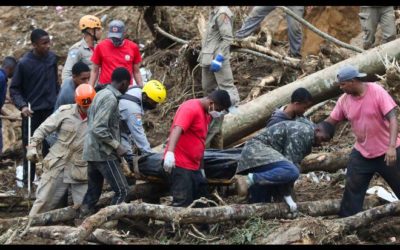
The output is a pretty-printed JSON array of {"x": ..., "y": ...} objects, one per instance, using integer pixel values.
[
  {"x": 89, "y": 21},
  {"x": 84, "y": 95}
]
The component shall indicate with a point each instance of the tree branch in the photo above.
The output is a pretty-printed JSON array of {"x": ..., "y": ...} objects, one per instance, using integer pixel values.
[{"x": 320, "y": 33}]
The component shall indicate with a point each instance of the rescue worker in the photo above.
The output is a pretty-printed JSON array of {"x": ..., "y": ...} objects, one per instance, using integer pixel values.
[
  {"x": 35, "y": 81},
  {"x": 370, "y": 16},
  {"x": 273, "y": 156},
  {"x": 186, "y": 144},
  {"x": 217, "y": 74},
  {"x": 6, "y": 72},
  {"x": 132, "y": 105},
  {"x": 102, "y": 148},
  {"x": 82, "y": 51},
  {"x": 371, "y": 111},
  {"x": 63, "y": 167},
  {"x": 113, "y": 52},
  {"x": 257, "y": 15},
  {"x": 300, "y": 101}
]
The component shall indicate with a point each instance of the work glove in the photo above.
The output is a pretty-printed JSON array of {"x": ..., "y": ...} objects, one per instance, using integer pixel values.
[
  {"x": 169, "y": 162},
  {"x": 32, "y": 153},
  {"x": 121, "y": 150},
  {"x": 216, "y": 64},
  {"x": 203, "y": 173}
]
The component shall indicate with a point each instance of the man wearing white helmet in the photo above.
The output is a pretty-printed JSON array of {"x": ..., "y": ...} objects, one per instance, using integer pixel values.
[
  {"x": 83, "y": 50},
  {"x": 114, "y": 52}
]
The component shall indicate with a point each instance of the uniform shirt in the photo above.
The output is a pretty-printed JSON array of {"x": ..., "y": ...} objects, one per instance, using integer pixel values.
[
  {"x": 67, "y": 94},
  {"x": 366, "y": 115},
  {"x": 218, "y": 37},
  {"x": 103, "y": 136},
  {"x": 194, "y": 121},
  {"x": 109, "y": 57},
  {"x": 35, "y": 81},
  {"x": 284, "y": 141},
  {"x": 279, "y": 115},
  {"x": 79, "y": 52},
  {"x": 131, "y": 114},
  {"x": 67, "y": 150}
]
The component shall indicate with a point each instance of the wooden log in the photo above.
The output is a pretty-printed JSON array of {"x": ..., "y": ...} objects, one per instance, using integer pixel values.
[
  {"x": 318, "y": 231},
  {"x": 59, "y": 232},
  {"x": 329, "y": 162},
  {"x": 202, "y": 215},
  {"x": 148, "y": 191},
  {"x": 251, "y": 116}
]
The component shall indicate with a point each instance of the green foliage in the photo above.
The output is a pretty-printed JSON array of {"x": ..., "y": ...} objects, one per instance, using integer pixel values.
[{"x": 253, "y": 228}]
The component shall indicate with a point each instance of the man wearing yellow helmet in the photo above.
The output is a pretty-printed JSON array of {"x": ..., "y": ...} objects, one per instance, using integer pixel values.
[
  {"x": 132, "y": 106},
  {"x": 83, "y": 50}
]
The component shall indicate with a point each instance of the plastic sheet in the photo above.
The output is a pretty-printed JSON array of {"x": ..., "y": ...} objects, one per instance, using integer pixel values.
[{"x": 218, "y": 164}]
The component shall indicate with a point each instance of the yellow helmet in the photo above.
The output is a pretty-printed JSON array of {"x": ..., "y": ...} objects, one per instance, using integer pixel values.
[
  {"x": 89, "y": 21},
  {"x": 155, "y": 90}
]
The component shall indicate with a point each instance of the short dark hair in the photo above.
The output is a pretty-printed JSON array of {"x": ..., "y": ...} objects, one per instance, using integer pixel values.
[
  {"x": 301, "y": 95},
  {"x": 327, "y": 128},
  {"x": 80, "y": 67},
  {"x": 9, "y": 62},
  {"x": 221, "y": 98},
  {"x": 37, "y": 34},
  {"x": 120, "y": 74}
]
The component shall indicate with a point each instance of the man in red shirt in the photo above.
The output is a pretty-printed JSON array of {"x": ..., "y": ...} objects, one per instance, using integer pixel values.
[
  {"x": 114, "y": 52},
  {"x": 186, "y": 145}
]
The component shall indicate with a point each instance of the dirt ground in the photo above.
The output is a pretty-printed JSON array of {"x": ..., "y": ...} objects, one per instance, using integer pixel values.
[{"x": 170, "y": 66}]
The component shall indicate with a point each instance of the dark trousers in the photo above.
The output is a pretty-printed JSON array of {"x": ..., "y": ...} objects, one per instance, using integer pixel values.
[
  {"x": 360, "y": 170},
  {"x": 273, "y": 180},
  {"x": 187, "y": 186},
  {"x": 112, "y": 172},
  {"x": 37, "y": 118}
]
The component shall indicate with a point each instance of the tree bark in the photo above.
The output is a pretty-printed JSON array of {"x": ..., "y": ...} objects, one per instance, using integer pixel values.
[
  {"x": 202, "y": 215},
  {"x": 329, "y": 162},
  {"x": 318, "y": 231},
  {"x": 252, "y": 115}
]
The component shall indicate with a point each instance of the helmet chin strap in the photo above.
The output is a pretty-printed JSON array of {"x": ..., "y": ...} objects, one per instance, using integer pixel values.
[{"x": 93, "y": 36}]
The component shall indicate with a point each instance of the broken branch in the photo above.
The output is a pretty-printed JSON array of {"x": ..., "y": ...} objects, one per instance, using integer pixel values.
[{"x": 320, "y": 33}]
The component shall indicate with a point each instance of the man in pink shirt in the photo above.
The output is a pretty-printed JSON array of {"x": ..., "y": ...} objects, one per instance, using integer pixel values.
[{"x": 371, "y": 112}]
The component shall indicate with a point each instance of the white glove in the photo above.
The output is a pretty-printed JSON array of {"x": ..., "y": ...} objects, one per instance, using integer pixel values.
[
  {"x": 169, "y": 161},
  {"x": 203, "y": 173}
]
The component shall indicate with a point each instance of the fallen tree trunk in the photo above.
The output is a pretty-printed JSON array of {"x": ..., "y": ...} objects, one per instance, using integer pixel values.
[
  {"x": 329, "y": 162},
  {"x": 59, "y": 232},
  {"x": 182, "y": 215},
  {"x": 318, "y": 231},
  {"x": 252, "y": 115},
  {"x": 146, "y": 190}
]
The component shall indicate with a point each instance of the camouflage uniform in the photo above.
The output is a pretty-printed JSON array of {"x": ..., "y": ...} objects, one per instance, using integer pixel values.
[
  {"x": 101, "y": 142},
  {"x": 80, "y": 51},
  {"x": 370, "y": 16},
  {"x": 63, "y": 167},
  {"x": 284, "y": 141},
  {"x": 217, "y": 39},
  {"x": 273, "y": 156}
]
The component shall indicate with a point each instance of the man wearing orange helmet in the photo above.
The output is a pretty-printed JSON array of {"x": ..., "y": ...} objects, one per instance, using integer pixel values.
[
  {"x": 83, "y": 50},
  {"x": 63, "y": 168}
]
